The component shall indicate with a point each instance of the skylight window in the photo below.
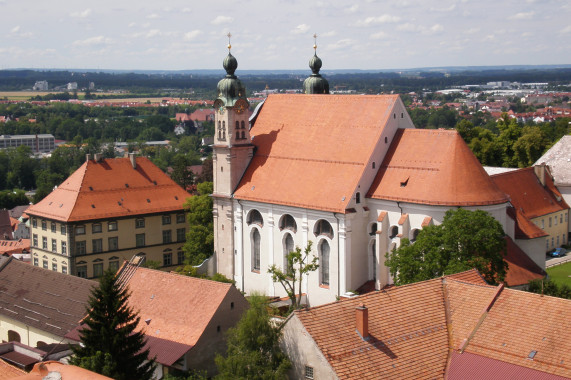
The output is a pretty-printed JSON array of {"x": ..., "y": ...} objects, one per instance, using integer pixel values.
[{"x": 532, "y": 354}]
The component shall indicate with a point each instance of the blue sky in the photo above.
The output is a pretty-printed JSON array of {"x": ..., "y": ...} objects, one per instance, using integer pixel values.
[{"x": 277, "y": 34}]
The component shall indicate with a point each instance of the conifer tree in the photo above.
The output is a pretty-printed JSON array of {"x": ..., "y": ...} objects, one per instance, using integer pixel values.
[{"x": 109, "y": 343}]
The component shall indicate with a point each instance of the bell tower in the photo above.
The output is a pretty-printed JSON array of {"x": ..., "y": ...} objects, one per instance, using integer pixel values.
[{"x": 232, "y": 153}]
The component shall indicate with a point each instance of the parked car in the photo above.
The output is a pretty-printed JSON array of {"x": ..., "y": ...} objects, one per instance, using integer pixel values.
[{"x": 557, "y": 252}]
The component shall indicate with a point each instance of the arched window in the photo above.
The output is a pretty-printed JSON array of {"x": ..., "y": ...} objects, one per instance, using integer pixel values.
[
  {"x": 219, "y": 130},
  {"x": 394, "y": 231},
  {"x": 13, "y": 336},
  {"x": 324, "y": 262},
  {"x": 358, "y": 198},
  {"x": 223, "y": 130},
  {"x": 255, "y": 250},
  {"x": 323, "y": 227},
  {"x": 288, "y": 247},
  {"x": 237, "y": 124},
  {"x": 243, "y": 134},
  {"x": 237, "y": 135},
  {"x": 414, "y": 235},
  {"x": 40, "y": 344},
  {"x": 254, "y": 217},
  {"x": 243, "y": 125},
  {"x": 288, "y": 222},
  {"x": 373, "y": 230}
]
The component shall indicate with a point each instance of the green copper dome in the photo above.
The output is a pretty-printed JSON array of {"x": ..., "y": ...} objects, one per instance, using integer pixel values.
[
  {"x": 230, "y": 89},
  {"x": 315, "y": 83}
]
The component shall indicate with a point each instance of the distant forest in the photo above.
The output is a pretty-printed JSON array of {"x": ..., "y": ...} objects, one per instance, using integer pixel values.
[{"x": 204, "y": 85}]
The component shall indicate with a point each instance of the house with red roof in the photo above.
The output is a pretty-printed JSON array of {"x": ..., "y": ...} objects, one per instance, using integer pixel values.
[
  {"x": 453, "y": 327},
  {"x": 185, "y": 319},
  {"x": 349, "y": 173},
  {"x": 108, "y": 211},
  {"x": 542, "y": 214}
]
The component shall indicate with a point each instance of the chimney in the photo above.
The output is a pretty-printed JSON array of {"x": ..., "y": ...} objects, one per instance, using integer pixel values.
[
  {"x": 98, "y": 157},
  {"x": 133, "y": 160},
  {"x": 362, "y": 318},
  {"x": 540, "y": 172},
  {"x": 87, "y": 157}
]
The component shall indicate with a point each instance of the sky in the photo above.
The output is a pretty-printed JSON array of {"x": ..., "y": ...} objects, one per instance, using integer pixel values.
[{"x": 278, "y": 34}]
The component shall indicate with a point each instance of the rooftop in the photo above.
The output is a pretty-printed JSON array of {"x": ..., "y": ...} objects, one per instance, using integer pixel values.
[
  {"x": 558, "y": 158},
  {"x": 433, "y": 167},
  {"x": 111, "y": 188}
]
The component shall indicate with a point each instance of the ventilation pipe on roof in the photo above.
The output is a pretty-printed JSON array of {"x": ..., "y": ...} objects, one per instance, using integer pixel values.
[
  {"x": 87, "y": 157},
  {"x": 362, "y": 319},
  {"x": 98, "y": 157},
  {"x": 133, "y": 160}
]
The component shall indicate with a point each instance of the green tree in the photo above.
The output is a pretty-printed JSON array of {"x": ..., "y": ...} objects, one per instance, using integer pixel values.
[
  {"x": 464, "y": 240},
  {"x": 109, "y": 343},
  {"x": 253, "y": 347},
  {"x": 510, "y": 132},
  {"x": 298, "y": 265},
  {"x": 549, "y": 288},
  {"x": 181, "y": 173},
  {"x": 530, "y": 146},
  {"x": 200, "y": 237}
]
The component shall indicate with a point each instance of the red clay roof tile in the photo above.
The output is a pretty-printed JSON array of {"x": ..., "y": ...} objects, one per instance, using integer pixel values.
[
  {"x": 111, "y": 188},
  {"x": 439, "y": 169},
  {"x": 317, "y": 155}
]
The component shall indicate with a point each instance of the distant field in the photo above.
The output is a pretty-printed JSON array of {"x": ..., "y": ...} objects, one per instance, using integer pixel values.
[
  {"x": 560, "y": 273},
  {"x": 20, "y": 95},
  {"x": 25, "y": 95}
]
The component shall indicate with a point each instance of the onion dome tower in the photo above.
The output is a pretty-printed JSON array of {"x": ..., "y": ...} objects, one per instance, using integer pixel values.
[
  {"x": 230, "y": 88},
  {"x": 315, "y": 83}
]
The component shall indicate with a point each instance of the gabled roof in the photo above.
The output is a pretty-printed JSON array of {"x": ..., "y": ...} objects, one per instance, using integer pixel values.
[
  {"x": 413, "y": 328},
  {"x": 528, "y": 195},
  {"x": 49, "y": 301},
  {"x": 51, "y": 369},
  {"x": 524, "y": 228},
  {"x": 111, "y": 188},
  {"x": 558, "y": 158},
  {"x": 315, "y": 154},
  {"x": 433, "y": 167}
]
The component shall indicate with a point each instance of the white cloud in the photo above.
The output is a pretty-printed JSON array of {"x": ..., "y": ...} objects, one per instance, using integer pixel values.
[
  {"x": 352, "y": 9},
  {"x": 378, "y": 36},
  {"x": 153, "y": 16},
  {"x": 82, "y": 14},
  {"x": 15, "y": 32},
  {"x": 15, "y": 29},
  {"x": 192, "y": 35},
  {"x": 472, "y": 31},
  {"x": 300, "y": 29},
  {"x": 132, "y": 24},
  {"x": 566, "y": 30},
  {"x": 436, "y": 28},
  {"x": 522, "y": 16},
  {"x": 186, "y": 10},
  {"x": 447, "y": 9},
  {"x": 222, "y": 20},
  {"x": 383, "y": 19},
  {"x": 407, "y": 27},
  {"x": 153, "y": 33},
  {"x": 331, "y": 33},
  {"x": 93, "y": 41},
  {"x": 341, "y": 44}
]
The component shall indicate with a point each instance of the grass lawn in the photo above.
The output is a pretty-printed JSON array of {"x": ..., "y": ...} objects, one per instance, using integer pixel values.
[{"x": 560, "y": 273}]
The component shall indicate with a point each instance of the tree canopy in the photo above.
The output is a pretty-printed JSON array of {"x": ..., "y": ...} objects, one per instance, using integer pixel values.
[
  {"x": 200, "y": 237},
  {"x": 464, "y": 240},
  {"x": 253, "y": 347},
  {"x": 110, "y": 345}
]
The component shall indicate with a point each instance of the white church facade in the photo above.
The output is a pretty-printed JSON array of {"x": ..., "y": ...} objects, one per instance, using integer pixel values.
[{"x": 349, "y": 173}]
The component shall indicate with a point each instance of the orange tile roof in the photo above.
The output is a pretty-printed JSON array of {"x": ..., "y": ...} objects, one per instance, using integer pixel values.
[
  {"x": 111, "y": 188},
  {"x": 8, "y": 371},
  {"x": 413, "y": 328},
  {"x": 184, "y": 321},
  {"x": 315, "y": 147},
  {"x": 528, "y": 195},
  {"x": 66, "y": 371},
  {"x": 433, "y": 167},
  {"x": 524, "y": 228},
  {"x": 14, "y": 246}
]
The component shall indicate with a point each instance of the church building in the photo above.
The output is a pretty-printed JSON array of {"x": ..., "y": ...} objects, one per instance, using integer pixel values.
[{"x": 349, "y": 173}]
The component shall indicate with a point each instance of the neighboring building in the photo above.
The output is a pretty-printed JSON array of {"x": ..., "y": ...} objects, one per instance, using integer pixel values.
[
  {"x": 25, "y": 357},
  {"x": 71, "y": 86},
  {"x": 38, "y": 306},
  {"x": 534, "y": 196},
  {"x": 106, "y": 212},
  {"x": 349, "y": 173},
  {"x": 41, "y": 143},
  {"x": 185, "y": 319},
  {"x": 454, "y": 327},
  {"x": 40, "y": 85},
  {"x": 6, "y": 227},
  {"x": 558, "y": 159}
]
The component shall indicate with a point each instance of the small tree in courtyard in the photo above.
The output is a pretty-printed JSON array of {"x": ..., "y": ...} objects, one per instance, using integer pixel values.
[
  {"x": 298, "y": 265},
  {"x": 253, "y": 347},
  {"x": 109, "y": 343}
]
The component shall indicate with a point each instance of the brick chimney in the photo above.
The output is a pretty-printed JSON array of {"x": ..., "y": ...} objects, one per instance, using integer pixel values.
[
  {"x": 133, "y": 160},
  {"x": 540, "y": 173},
  {"x": 362, "y": 319}
]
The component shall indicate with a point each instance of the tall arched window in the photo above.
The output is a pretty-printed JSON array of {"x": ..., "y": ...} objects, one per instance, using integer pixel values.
[
  {"x": 243, "y": 135},
  {"x": 223, "y": 130},
  {"x": 324, "y": 262},
  {"x": 288, "y": 247},
  {"x": 323, "y": 227},
  {"x": 254, "y": 217},
  {"x": 394, "y": 231},
  {"x": 414, "y": 235},
  {"x": 237, "y": 124},
  {"x": 219, "y": 130},
  {"x": 255, "y": 249},
  {"x": 243, "y": 125},
  {"x": 288, "y": 222},
  {"x": 373, "y": 230}
]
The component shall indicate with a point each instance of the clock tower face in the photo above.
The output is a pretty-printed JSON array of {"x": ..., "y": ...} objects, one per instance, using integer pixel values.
[{"x": 240, "y": 106}]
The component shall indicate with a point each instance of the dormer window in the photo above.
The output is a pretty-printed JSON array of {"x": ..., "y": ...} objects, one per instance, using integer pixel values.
[{"x": 254, "y": 217}]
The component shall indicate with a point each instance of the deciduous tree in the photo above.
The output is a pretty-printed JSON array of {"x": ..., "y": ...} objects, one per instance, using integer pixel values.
[{"x": 200, "y": 237}]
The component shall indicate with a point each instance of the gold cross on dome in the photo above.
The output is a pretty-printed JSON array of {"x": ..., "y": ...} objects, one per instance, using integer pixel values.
[{"x": 229, "y": 35}]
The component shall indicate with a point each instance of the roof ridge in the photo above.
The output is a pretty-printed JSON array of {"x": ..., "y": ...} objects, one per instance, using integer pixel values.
[{"x": 187, "y": 278}]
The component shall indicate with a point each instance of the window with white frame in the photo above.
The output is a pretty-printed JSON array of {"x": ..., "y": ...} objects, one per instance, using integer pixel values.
[
  {"x": 256, "y": 249},
  {"x": 288, "y": 247},
  {"x": 308, "y": 372},
  {"x": 324, "y": 251}
]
